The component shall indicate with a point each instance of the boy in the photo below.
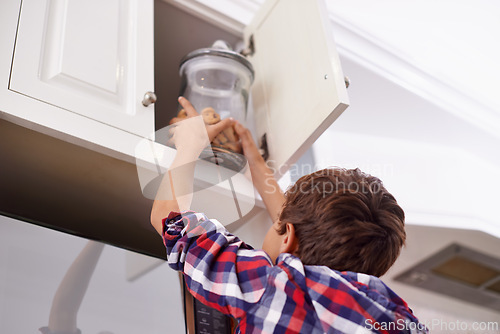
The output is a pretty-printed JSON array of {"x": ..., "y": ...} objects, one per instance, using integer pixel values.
[{"x": 335, "y": 231}]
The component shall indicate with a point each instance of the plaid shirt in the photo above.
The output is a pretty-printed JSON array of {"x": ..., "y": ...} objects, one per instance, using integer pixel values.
[{"x": 224, "y": 273}]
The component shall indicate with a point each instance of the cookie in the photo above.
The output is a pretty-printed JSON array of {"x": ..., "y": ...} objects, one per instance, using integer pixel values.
[{"x": 210, "y": 116}]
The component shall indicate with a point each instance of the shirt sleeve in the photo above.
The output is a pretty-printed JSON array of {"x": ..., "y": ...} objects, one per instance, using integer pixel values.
[{"x": 220, "y": 270}]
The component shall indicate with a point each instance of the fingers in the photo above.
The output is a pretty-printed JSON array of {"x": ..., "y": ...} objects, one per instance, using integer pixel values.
[
  {"x": 215, "y": 129},
  {"x": 248, "y": 144},
  {"x": 242, "y": 132},
  {"x": 175, "y": 120},
  {"x": 188, "y": 107}
]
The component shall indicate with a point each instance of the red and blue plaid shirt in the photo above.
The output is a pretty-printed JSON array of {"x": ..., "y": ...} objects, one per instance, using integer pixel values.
[{"x": 224, "y": 273}]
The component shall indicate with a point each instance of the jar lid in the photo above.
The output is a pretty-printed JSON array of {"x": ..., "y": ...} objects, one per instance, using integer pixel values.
[{"x": 218, "y": 53}]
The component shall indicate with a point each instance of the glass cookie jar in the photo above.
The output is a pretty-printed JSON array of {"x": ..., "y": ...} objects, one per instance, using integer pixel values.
[{"x": 217, "y": 82}]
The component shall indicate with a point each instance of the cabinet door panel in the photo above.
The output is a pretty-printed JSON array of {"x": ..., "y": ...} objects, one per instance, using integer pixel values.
[
  {"x": 299, "y": 87},
  {"x": 87, "y": 57},
  {"x": 66, "y": 40}
]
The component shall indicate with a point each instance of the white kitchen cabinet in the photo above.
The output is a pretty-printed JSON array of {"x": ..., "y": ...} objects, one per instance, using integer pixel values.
[
  {"x": 79, "y": 69},
  {"x": 299, "y": 88}
]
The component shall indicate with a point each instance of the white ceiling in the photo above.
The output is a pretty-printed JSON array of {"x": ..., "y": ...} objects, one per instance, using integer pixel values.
[
  {"x": 454, "y": 41},
  {"x": 450, "y": 42}
]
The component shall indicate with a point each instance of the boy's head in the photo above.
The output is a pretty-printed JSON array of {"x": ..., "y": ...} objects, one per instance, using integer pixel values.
[{"x": 340, "y": 218}]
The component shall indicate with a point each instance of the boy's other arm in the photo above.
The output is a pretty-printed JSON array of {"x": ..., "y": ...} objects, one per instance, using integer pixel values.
[
  {"x": 190, "y": 137},
  {"x": 262, "y": 176}
]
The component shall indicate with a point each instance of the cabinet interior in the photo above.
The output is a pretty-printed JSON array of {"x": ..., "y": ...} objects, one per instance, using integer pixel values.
[{"x": 177, "y": 33}]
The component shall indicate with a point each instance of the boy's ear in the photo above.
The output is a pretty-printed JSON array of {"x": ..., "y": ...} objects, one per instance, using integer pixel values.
[{"x": 289, "y": 243}]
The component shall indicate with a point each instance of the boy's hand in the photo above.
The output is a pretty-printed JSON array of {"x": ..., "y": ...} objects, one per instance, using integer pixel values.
[
  {"x": 262, "y": 176},
  {"x": 248, "y": 144},
  {"x": 191, "y": 135}
]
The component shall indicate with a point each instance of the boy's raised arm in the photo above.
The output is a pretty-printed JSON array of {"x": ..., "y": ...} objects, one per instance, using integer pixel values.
[
  {"x": 262, "y": 176},
  {"x": 190, "y": 137}
]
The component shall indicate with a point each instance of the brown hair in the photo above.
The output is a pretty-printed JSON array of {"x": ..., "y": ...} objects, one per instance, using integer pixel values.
[{"x": 344, "y": 219}]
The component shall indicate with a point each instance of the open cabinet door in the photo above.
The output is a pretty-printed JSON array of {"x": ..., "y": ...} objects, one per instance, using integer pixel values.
[{"x": 299, "y": 87}]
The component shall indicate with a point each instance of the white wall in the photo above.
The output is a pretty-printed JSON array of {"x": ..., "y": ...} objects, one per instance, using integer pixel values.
[{"x": 33, "y": 260}]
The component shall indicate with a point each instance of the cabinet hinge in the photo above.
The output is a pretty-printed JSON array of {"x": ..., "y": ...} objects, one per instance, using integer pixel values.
[
  {"x": 263, "y": 150},
  {"x": 250, "y": 49}
]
